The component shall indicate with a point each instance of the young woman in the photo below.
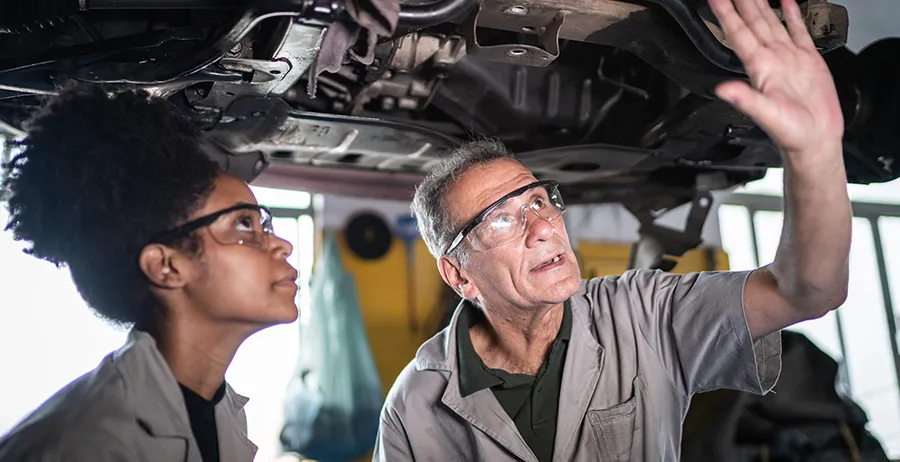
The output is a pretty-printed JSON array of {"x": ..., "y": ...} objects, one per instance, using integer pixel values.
[{"x": 116, "y": 188}]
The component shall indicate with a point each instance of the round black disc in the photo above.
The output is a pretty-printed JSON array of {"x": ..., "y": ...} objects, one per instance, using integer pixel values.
[{"x": 368, "y": 235}]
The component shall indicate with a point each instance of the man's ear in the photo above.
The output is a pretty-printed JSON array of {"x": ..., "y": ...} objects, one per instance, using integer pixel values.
[
  {"x": 165, "y": 267},
  {"x": 455, "y": 276}
]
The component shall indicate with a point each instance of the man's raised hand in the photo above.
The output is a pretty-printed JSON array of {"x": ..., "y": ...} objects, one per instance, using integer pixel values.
[{"x": 791, "y": 94}]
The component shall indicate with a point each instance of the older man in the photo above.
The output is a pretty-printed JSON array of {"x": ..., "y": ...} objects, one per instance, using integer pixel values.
[{"x": 538, "y": 365}]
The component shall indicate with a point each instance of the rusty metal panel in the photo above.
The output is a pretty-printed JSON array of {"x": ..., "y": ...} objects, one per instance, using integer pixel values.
[
  {"x": 585, "y": 17},
  {"x": 582, "y": 17}
]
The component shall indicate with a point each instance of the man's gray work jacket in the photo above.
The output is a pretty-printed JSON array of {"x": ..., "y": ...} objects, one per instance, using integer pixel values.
[
  {"x": 641, "y": 345},
  {"x": 128, "y": 409}
]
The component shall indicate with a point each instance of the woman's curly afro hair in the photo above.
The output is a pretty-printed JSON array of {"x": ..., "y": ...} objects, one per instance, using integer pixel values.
[{"x": 97, "y": 176}]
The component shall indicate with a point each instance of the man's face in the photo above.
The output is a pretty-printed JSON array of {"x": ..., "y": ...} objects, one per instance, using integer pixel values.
[{"x": 522, "y": 271}]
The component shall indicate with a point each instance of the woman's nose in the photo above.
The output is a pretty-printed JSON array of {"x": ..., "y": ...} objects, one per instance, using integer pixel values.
[{"x": 281, "y": 247}]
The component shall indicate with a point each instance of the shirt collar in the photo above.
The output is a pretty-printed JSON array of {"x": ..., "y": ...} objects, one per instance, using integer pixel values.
[
  {"x": 191, "y": 396},
  {"x": 474, "y": 376}
]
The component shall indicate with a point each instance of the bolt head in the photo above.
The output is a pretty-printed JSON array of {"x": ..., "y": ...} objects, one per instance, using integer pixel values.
[{"x": 516, "y": 10}]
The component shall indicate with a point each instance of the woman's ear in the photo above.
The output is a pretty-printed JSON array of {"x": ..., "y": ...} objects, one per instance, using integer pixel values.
[{"x": 163, "y": 266}]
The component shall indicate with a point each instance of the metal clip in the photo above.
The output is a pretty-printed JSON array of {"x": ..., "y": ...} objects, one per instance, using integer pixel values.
[{"x": 658, "y": 243}]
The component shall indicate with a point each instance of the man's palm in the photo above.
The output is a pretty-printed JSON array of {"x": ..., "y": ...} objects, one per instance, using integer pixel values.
[{"x": 791, "y": 93}]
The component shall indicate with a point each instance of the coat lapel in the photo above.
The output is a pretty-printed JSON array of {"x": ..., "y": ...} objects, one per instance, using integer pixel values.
[
  {"x": 160, "y": 408},
  {"x": 156, "y": 399},
  {"x": 482, "y": 410},
  {"x": 581, "y": 372},
  {"x": 231, "y": 427}
]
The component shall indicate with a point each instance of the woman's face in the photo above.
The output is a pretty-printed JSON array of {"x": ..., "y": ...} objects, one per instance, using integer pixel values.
[{"x": 241, "y": 281}]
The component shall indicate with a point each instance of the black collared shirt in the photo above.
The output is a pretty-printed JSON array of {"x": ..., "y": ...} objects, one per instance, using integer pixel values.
[
  {"x": 202, "y": 414},
  {"x": 531, "y": 401}
]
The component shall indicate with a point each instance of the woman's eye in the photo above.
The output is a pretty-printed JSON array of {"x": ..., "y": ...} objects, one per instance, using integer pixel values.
[{"x": 244, "y": 224}]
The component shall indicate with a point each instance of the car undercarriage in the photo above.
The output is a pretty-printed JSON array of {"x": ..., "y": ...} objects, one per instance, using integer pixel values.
[{"x": 613, "y": 99}]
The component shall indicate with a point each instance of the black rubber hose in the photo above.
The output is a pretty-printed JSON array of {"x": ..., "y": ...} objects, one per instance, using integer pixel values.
[
  {"x": 700, "y": 35},
  {"x": 20, "y": 16},
  {"x": 163, "y": 4},
  {"x": 432, "y": 14}
]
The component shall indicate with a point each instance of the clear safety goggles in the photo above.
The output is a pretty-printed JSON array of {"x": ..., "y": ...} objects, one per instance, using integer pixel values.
[{"x": 507, "y": 218}]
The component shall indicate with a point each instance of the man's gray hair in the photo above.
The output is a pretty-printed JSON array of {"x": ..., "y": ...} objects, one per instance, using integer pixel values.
[{"x": 432, "y": 212}]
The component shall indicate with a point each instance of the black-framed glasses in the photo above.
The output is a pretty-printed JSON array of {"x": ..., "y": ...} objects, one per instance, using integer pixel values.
[
  {"x": 506, "y": 219},
  {"x": 241, "y": 224}
]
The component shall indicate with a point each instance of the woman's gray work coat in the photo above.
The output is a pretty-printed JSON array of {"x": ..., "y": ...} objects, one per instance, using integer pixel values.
[{"x": 130, "y": 408}]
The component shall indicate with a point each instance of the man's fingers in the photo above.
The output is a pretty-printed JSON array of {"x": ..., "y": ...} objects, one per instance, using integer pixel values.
[
  {"x": 777, "y": 29},
  {"x": 741, "y": 38},
  {"x": 752, "y": 15},
  {"x": 796, "y": 25},
  {"x": 749, "y": 101}
]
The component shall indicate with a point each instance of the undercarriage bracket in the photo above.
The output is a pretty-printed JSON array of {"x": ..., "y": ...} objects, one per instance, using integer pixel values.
[
  {"x": 269, "y": 77},
  {"x": 658, "y": 244},
  {"x": 522, "y": 54}
]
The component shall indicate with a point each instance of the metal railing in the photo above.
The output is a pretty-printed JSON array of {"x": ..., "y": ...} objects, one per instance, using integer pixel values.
[{"x": 872, "y": 213}]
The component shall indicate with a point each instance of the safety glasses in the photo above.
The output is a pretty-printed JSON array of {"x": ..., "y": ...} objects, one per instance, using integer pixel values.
[
  {"x": 507, "y": 218},
  {"x": 242, "y": 224}
]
